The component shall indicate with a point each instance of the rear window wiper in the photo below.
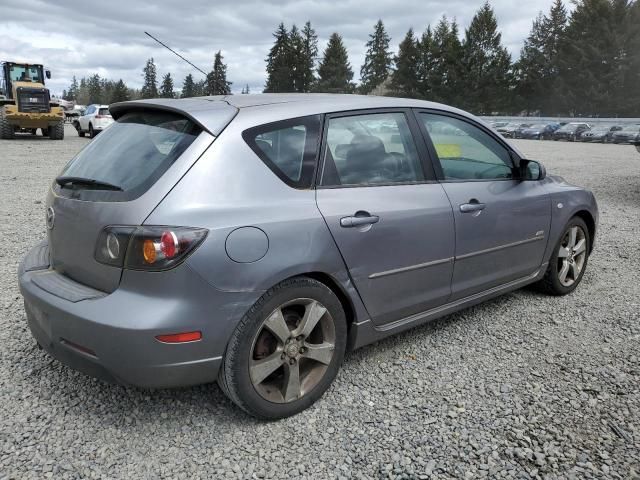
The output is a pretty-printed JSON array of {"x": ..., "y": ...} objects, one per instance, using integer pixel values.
[{"x": 87, "y": 182}]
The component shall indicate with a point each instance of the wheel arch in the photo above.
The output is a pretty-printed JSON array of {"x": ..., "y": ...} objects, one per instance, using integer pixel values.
[
  {"x": 340, "y": 292},
  {"x": 587, "y": 217}
]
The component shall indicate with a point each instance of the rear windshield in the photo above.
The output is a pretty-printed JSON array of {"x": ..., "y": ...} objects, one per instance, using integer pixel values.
[
  {"x": 104, "y": 111},
  {"x": 132, "y": 154}
]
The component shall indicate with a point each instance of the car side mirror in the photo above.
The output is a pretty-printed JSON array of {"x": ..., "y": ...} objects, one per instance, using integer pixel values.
[
  {"x": 532, "y": 170},
  {"x": 48, "y": 74}
]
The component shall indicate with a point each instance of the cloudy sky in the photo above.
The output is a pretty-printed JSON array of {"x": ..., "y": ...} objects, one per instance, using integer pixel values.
[{"x": 107, "y": 37}]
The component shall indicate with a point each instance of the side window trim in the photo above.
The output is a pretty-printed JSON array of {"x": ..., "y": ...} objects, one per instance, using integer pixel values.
[
  {"x": 313, "y": 124},
  {"x": 435, "y": 160},
  {"x": 416, "y": 135}
]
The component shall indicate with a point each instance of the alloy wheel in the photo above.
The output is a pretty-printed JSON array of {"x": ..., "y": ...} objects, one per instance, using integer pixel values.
[
  {"x": 572, "y": 255},
  {"x": 292, "y": 350}
]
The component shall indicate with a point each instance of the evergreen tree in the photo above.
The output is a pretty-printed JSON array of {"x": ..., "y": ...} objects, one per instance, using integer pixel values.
[
  {"x": 486, "y": 64},
  {"x": 307, "y": 58},
  {"x": 334, "y": 72},
  {"x": 593, "y": 61},
  {"x": 631, "y": 73},
  {"x": 120, "y": 92},
  {"x": 188, "y": 87},
  {"x": 150, "y": 83},
  {"x": 444, "y": 71},
  {"x": 166, "y": 89},
  {"x": 72, "y": 93},
  {"x": 295, "y": 58},
  {"x": 246, "y": 90},
  {"x": 532, "y": 82},
  {"x": 425, "y": 64},
  {"x": 94, "y": 89},
  {"x": 217, "y": 83},
  {"x": 280, "y": 76},
  {"x": 405, "y": 81},
  {"x": 378, "y": 59},
  {"x": 200, "y": 88}
]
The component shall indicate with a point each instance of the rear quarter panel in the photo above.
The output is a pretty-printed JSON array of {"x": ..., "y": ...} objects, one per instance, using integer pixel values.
[{"x": 231, "y": 188}]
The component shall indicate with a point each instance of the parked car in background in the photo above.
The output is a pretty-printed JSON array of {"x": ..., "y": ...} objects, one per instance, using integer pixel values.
[
  {"x": 511, "y": 130},
  {"x": 539, "y": 131},
  {"x": 240, "y": 238},
  {"x": 95, "y": 119},
  {"x": 628, "y": 134},
  {"x": 600, "y": 133},
  {"x": 571, "y": 131},
  {"x": 499, "y": 124}
]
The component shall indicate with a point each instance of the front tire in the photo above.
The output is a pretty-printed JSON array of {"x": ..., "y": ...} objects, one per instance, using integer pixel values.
[
  {"x": 6, "y": 129},
  {"x": 56, "y": 132},
  {"x": 286, "y": 351},
  {"x": 569, "y": 260}
]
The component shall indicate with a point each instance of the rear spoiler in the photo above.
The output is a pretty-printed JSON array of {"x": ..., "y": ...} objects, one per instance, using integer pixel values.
[{"x": 212, "y": 115}]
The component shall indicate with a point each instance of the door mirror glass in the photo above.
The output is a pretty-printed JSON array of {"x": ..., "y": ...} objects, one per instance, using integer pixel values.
[
  {"x": 532, "y": 170},
  {"x": 48, "y": 74}
]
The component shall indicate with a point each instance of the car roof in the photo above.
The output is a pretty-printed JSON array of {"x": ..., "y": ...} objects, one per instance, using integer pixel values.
[{"x": 214, "y": 112}]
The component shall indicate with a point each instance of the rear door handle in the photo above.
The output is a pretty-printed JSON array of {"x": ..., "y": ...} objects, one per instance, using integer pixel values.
[
  {"x": 359, "y": 219},
  {"x": 472, "y": 206}
]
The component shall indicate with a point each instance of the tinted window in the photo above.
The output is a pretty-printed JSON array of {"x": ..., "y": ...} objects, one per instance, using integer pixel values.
[
  {"x": 370, "y": 149},
  {"x": 104, "y": 111},
  {"x": 465, "y": 151},
  {"x": 133, "y": 152},
  {"x": 288, "y": 148}
]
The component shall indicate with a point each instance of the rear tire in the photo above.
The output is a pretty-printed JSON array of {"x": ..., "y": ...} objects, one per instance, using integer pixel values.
[
  {"x": 56, "y": 132},
  {"x": 92, "y": 132},
  {"x": 6, "y": 129},
  {"x": 568, "y": 261},
  {"x": 273, "y": 372}
]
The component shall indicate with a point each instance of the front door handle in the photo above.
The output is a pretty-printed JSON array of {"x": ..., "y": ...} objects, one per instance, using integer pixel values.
[
  {"x": 473, "y": 206},
  {"x": 358, "y": 220}
]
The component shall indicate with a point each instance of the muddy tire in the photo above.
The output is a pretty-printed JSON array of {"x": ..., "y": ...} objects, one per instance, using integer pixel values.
[{"x": 56, "y": 132}]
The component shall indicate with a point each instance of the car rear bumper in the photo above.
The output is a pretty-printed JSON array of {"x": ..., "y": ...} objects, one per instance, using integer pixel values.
[{"x": 112, "y": 336}]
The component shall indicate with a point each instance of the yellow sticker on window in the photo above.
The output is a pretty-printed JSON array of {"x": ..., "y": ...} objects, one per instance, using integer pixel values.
[{"x": 448, "y": 150}]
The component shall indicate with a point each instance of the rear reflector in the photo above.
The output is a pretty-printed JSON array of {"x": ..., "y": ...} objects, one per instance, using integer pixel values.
[{"x": 180, "y": 337}]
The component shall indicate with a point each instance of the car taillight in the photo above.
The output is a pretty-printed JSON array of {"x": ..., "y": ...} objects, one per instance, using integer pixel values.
[
  {"x": 147, "y": 248},
  {"x": 103, "y": 116}
]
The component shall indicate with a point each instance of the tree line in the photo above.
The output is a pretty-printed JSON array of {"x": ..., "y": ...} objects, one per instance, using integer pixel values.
[{"x": 582, "y": 63}]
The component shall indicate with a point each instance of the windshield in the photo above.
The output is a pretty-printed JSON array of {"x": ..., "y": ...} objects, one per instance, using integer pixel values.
[
  {"x": 539, "y": 126},
  {"x": 631, "y": 129},
  {"x": 25, "y": 73},
  {"x": 104, "y": 111},
  {"x": 134, "y": 152},
  {"x": 570, "y": 127}
]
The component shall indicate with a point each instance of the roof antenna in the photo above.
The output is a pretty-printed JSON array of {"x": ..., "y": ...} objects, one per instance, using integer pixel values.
[{"x": 173, "y": 51}]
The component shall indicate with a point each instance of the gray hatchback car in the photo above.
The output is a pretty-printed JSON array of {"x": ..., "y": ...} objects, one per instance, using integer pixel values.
[{"x": 254, "y": 239}]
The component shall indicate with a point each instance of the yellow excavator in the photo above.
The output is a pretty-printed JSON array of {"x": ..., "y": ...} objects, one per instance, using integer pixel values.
[{"x": 25, "y": 103}]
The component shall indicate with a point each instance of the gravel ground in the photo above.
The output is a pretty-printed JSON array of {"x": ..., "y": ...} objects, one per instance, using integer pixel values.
[{"x": 525, "y": 386}]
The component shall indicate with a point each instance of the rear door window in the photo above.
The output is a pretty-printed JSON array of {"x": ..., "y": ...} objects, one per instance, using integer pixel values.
[
  {"x": 289, "y": 148},
  {"x": 370, "y": 149},
  {"x": 132, "y": 154}
]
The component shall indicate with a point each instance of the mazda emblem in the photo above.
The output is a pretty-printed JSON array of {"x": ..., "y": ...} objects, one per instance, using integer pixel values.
[{"x": 51, "y": 217}]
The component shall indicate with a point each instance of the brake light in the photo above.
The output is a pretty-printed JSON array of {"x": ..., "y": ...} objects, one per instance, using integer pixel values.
[
  {"x": 103, "y": 116},
  {"x": 147, "y": 248}
]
